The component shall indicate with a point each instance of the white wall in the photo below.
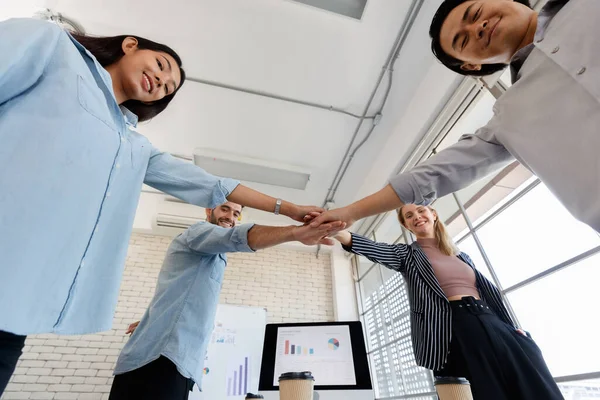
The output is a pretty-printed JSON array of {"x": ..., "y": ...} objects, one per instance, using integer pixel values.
[{"x": 20, "y": 8}]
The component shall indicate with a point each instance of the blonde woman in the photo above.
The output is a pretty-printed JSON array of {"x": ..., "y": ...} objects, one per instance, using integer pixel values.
[{"x": 459, "y": 325}]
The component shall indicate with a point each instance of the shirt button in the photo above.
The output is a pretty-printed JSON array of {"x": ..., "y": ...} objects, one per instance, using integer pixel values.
[
  {"x": 107, "y": 194},
  {"x": 555, "y": 50},
  {"x": 82, "y": 263},
  {"x": 581, "y": 70},
  {"x": 122, "y": 139},
  {"x": 118, "y": 165}
]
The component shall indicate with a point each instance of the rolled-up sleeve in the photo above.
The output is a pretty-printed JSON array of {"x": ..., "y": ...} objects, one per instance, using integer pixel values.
[
  {"x": 187, "y": 181},
  {"x": 470, "y": 159},
  {"x": 207, "y": 238}
]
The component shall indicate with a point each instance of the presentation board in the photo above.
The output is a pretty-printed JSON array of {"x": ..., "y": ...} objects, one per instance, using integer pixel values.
[{"x": 232, "y": 364}]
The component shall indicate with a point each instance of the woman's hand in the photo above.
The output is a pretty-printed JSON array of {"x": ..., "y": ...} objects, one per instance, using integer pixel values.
[
  {"x": 522, "y": 332},
  {"x": 251, "y": 198},
  {"x": 384, "y": 200}
]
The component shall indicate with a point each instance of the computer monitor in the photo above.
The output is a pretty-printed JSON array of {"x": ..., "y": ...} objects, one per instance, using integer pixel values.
[{"x": 334, "y": 352}]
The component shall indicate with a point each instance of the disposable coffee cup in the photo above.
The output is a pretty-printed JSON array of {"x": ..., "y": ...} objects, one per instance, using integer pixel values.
[
  {"x": 451, "y": 388},
  {"x": 254, "y": 396},
  {"x": 296, "y": 386}
]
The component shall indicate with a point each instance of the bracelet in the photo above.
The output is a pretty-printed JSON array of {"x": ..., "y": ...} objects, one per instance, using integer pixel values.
[{"x": 277, "y": 206}]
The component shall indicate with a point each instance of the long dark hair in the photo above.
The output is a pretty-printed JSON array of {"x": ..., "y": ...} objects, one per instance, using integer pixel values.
[
  {"x": 109, "y": 50},
  {"x": 453, "y": 63}
]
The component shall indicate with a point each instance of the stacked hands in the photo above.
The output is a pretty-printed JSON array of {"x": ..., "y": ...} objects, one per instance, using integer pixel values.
[{"x": 320, "y": 225}]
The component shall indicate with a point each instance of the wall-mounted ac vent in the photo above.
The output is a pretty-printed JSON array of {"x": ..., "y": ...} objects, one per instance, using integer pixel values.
[{"x": 175, "y": 221}]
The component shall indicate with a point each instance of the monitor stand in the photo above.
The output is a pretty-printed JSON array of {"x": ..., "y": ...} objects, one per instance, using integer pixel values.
[{"x": 329, "y": 395}]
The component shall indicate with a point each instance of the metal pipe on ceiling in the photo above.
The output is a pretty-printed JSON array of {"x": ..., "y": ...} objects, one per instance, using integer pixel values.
[
  {"x": 276, "y": 97},
  {"x": 388, "y": 67}
]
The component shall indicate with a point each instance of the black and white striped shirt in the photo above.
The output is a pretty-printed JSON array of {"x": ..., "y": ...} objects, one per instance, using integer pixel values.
[{"x": 430, "y": 314}]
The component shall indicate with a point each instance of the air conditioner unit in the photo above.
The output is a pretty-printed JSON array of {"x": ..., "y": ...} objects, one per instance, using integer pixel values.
[{"x": 175, "y": 221}]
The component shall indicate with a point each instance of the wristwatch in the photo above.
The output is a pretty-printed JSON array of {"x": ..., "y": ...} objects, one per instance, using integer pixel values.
[{"x": 277, "y": 207}]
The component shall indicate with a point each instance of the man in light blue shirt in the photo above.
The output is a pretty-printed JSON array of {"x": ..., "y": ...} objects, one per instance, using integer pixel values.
[{"x": 165, "y": 354}]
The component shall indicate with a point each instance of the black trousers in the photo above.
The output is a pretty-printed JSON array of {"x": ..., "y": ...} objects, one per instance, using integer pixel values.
[
  {"x": 158, "y": 380},
  {"x": 11, "y": 348},
  {"x": 499, "y": 362}
]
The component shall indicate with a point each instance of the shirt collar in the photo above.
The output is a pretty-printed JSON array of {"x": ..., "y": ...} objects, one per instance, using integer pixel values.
[
  {"x": 546, "y": 14},
  {"x": 130, "y": 118}
]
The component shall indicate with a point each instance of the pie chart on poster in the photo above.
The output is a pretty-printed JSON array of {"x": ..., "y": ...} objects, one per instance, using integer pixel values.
[{"x": 334, "y": 344}]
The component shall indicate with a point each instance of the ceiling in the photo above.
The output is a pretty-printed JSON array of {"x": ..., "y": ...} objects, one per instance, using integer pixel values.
[{"x": 292, "y": 50}]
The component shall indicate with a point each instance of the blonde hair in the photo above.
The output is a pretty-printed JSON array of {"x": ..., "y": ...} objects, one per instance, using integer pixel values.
[{"x": 444, "y": 241}]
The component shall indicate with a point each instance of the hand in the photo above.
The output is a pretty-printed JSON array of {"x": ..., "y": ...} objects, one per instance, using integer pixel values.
[
  {"x": 339, "y": 214},
  {"x": 310, "y": 236},
  {"x": 522, "y": 332},
  {"x": 344, "y": 237},
  {"x": 299, "y": 213},
  {"x": 132, "y": 327}
]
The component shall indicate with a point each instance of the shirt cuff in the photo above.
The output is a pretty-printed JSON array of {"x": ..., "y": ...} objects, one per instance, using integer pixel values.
[
  {"x": 225, "y": 187},
  {"x": 406, "y": 188},
  {"x": 355, "y": 239},
  {"x": 240, "y": 238}
]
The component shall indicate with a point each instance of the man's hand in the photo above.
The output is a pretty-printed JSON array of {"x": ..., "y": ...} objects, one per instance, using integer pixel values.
[
  {"x": 132, "y": 327},
  {"x": 339, "y": 214},
  {"x": 311, "y": 236}
]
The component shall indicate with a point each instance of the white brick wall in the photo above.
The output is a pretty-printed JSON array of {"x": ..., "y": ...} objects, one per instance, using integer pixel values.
[{"x": 293, "y": 286}]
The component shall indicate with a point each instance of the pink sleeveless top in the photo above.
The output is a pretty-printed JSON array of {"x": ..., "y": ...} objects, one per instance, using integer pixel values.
[{"x": 455, "y": 277}]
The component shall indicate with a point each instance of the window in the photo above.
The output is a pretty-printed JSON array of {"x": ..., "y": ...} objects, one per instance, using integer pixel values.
[
  {"x": 371, "y": 286},
  {"x": 389, "y": 231},
  {"x": 469, "y": 247},
  {"x": 581, "y": 390},
  {"x": 449, "y": 212},
  {"x": 473, "y": 119},
  {"x": 533, "y": 234},
  {"x": 561, "y": 312},
  {"x": 363, "y": 265}
]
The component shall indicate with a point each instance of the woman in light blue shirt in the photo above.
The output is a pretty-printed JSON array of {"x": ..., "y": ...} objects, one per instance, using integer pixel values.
[{"x": 71, "y": 172}]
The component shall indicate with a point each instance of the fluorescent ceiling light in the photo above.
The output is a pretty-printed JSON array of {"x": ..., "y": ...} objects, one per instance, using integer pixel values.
[{"x": 251, "y": 169}]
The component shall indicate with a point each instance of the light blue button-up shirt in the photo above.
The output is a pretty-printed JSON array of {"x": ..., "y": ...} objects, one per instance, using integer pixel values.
[
  {"x": 71, "y": 172},
  {"x": 179, "y": 321}
]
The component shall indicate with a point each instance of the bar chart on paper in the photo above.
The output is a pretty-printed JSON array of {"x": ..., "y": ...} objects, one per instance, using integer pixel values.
[{"x": 237, "y": 378}]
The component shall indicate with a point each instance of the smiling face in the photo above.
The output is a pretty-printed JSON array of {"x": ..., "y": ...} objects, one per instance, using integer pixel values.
[
  {"x": 486, "y": 31},
  {"x": 225, "y": 215},
  {"x": 146, "y": 75},
  {"x": 420, "y": 220}
]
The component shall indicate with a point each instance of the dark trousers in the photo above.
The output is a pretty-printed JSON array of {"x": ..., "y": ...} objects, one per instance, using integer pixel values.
[
  {"x": 158, "y": 380},
  {"x": 499, "y": 362},
  {"x": 11, "y": 348}
]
